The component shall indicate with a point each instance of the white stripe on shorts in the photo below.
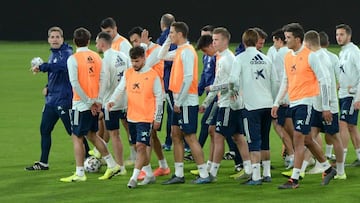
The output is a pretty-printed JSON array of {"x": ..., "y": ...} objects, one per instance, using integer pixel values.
[
  {"x": 76, "y": 117},
  {"x": 185, "y": 112},
  {"x": 226, "y": 117},
  {"x": 106, "y": 115},
  {"x": 308, "y": 116},
  {"x": 246, "y": 130}
]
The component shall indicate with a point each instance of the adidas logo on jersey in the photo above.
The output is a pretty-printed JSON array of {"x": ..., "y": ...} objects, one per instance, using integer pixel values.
[{"x": 257, "y": 60}]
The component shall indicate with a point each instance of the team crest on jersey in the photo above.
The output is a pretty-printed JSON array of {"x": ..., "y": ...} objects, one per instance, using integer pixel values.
[
  {"x": 136, "y": 85},
  {"x": 120, "y": 74},
  {"x": 259, "y": 73}
]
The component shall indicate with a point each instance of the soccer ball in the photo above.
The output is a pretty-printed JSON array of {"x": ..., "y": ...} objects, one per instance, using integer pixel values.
[
  {"x": 36, "y": 61},
  {"x": 92, "y": 164}
]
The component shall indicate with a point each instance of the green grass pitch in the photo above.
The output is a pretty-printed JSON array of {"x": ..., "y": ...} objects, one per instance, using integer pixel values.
[{"x": 21, "y": 104}]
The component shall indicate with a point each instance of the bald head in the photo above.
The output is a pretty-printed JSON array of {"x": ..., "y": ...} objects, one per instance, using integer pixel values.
[{"x": 166, "y": 20}]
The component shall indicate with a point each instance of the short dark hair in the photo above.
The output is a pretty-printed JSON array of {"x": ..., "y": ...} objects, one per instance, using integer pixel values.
[
  {"x": 203, "y": 41},
  {"x": 207, "y": 28},
  {"x": 346, "y": 27},
  {"x": 136, "y": 52},
  {"x": 261, "y": 32},
  {"x": 105, "y": 36},
  {"x": 82, "y": 37},
  {"x": 324, "y": 39},
  {"x": 108, "y": 22},
  {"x": 135, "y": 30},
  {"x": 296, "y": 29},
  {"x": 278, "y": 34},
  {"x": 181, "y": 27}
]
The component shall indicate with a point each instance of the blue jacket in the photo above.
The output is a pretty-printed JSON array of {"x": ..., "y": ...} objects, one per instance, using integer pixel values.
[
  {"x": 208, "y": 73},
  {"x": 239, "y": 49},
  {"x": 59, "y": 91},
  {"x": 167, "y": 64}
]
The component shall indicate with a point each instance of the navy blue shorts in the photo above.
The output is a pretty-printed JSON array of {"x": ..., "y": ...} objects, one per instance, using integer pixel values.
[
  {"x": 140, "y": 132},
  {"x": 330, "y": 128},
  {"x": 283, "y": 113},
  {"x": 257, "y": 124},
  {"x": 347, "y": 111},
  {"x": 301, "y": 116},
  {"x": 83, "y": 122},
  {"x": 229, "y": 122},
  {"x": 112, "y": 119},
  {"x": 187, "y": 119}
]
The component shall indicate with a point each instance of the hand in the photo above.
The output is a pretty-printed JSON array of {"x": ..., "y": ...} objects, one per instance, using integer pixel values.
[
  {"x": 35, "y": 69},
  {"x": 94, "y": 109},
  {"x": 156, "y": 125},
  {"x": 145, "y": 37},
  {"x": 202, "y": 109},
  {"x": 45, "y": 91},
  {"x": 207, "y": 88},
  {"x": 357, "y": 105},
  {"x": 177, "y": 109},
  {"x": 274, "y": 110},
  {"x": 110, "y": 105},
  {"x": 327, "y": 115}
]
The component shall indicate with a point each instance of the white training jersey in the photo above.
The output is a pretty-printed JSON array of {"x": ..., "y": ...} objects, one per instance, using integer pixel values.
[
  {"x": 114, "y": 64},
  {"x": 224, "y": 61},
  {"x": 271, "y": 53},
  {"x": 258, "y": 79},
  {"x": 349, "y": 73},
  {"x": 278, "y": 65},
  {"x": 328, "y": 65}
]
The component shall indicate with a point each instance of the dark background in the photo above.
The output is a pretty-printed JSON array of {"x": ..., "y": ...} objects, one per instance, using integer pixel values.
[{"x": 29, "y": 20}]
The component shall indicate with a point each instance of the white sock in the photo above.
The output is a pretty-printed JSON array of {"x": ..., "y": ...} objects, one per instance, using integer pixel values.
[
  {"x": 328, "y": 150},
  {"x": 256, "y": 171},
  {"x": 304, "y": 166},
  {"x": 109, "y": 161},
  {"x": 247, "y": 166},
  {"x": 179, "y": 169},
  {"x": 208, "y": 165},
  {"x": 295, "y": 174},
  {"x": 203, "y": 173},
  {"x": 80, "y": 171},
  {"x": 163, "y": 164},
  {"x": 135, "y": 174},
  {"x": 317, "y": 164},
  {"x": 266, "y": 168},
  {"x": 340, "y": 168},
  {"x": 345, "y": 153},
  {"x": 325, "y": 165},
  {"x": 214, "y": 169},
  {"x": 148, "y": 170}
]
